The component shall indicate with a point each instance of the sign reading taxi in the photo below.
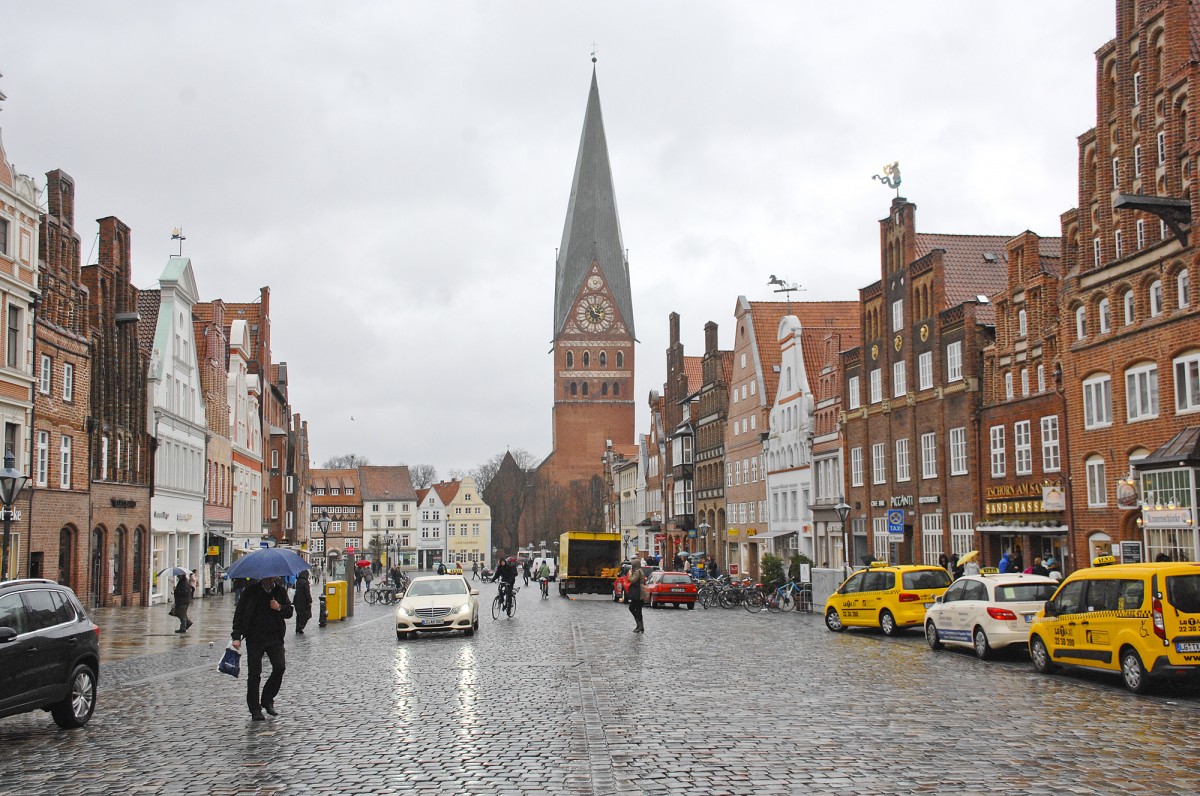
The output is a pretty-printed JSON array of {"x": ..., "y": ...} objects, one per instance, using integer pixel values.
[{"x": 895, "y": 521}]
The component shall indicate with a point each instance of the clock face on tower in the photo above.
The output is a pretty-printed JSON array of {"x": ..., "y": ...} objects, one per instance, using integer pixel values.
[{"x": 594, "y": 314}]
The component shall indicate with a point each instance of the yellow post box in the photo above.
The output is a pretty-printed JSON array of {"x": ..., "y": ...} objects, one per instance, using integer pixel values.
[{"x": 335, "y": 600}]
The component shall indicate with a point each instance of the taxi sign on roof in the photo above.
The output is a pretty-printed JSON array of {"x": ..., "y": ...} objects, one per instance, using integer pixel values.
[{"x": 1104, "y": 561}]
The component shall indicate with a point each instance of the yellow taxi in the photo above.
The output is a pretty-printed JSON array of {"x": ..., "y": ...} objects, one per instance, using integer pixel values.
[
  {"x": 1142, "y": 620},
  {"x": 889, "y": 597},
  {"x": 453, "y": 568}
]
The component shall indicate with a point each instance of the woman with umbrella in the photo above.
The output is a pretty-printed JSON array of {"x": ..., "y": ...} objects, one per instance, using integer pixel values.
[{"x": 183, "y": 598}]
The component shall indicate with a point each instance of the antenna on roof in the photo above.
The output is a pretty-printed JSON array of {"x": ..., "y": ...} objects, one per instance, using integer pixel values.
[{"x": 177, "y": 234}]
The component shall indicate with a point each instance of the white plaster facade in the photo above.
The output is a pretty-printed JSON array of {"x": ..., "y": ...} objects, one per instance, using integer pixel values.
[
  {"x": 178, "y": 424},
  {"x": 789, "y": 450},
  {"x": 391, "y": 526},
  {"x": 431, "y": 528},
  {"x": 468, "y": 526},
  {"x": 245, "y": 432}
]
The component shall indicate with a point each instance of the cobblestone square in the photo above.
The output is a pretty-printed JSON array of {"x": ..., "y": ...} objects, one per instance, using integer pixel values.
[{"x": 565, "y": 699}]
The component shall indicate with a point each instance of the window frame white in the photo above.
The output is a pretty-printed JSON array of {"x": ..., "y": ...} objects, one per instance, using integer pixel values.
[
  {"x": 958, "y": 451},
  {"x": 1051, "y": 450},
  {"x": 1097, "y": 401},
  {"x": 1022, "y": 448},
  {"x": 925, "y": 370},
  {"x": 954, "y": 361},
  {"x": 997, "y": 448},
  {"x": 1141, "y": 392},
  {"x": 929, "y": 455}
]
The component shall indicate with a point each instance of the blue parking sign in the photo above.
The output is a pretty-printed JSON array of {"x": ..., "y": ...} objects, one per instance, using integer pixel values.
[{"x": 895, "y": 518}]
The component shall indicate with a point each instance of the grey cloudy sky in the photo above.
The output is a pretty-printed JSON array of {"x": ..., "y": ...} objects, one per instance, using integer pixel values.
[{"x": 398, "y": 173}]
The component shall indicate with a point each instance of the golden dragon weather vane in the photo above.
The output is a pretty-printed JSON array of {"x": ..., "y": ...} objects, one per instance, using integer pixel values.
[{"x": 890, "y": 176}]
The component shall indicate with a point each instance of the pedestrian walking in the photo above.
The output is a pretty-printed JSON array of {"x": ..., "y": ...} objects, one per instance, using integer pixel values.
[
  {"x": 183, "y": 598},
  {"x": 635, "y": 593},
  {"x": 302, "y": 602},
  {"x": 368, "y": 576},
  {"x": 193, "y": 582},
  {"x": 358, "y": 579},
  {"x": 474, "y": 570},
  {"x": 259, "y": 619}
]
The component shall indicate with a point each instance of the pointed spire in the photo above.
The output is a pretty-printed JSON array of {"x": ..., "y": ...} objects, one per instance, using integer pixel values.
[{"x": 592, "y": 229}]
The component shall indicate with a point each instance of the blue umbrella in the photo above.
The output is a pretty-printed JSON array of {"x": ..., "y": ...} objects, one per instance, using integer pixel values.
[{"x": 270, "y": 562}]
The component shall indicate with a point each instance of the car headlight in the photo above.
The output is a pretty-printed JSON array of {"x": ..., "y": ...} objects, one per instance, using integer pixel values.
[
  {"x": 465, "y": 608},
  {"x": 402, "y": 611}
]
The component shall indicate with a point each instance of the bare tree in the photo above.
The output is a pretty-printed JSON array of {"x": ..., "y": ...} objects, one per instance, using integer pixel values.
[
  {"x": 346, "y": 461},
  {"x": 423, "y": 475}
]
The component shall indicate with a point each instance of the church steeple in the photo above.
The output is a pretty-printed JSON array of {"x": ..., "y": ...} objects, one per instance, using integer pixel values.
[{"x": 592, "y": 232}]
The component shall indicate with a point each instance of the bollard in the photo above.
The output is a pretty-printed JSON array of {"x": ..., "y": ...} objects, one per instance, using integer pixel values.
[{"x": 322, "y": 616}]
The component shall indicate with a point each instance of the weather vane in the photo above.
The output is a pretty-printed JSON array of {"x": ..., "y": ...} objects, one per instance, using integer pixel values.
[
  {"x": 890, "y": 176},
  {"x": 784, "y": 287},
  {"x": 177, "y": 234},
  {"x": 594, "y": 48}
]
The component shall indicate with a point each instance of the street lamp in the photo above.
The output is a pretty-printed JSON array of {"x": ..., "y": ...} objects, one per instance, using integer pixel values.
[
  {"x": 843, "y": 512},
  {"x": 12, "y": 481},
  {"x": 323, "y": 524}
]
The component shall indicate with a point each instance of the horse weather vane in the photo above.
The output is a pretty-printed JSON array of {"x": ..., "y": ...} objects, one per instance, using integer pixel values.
[
  {"x": 784, "y": 287},
  {"x": 890, "y": 176}
]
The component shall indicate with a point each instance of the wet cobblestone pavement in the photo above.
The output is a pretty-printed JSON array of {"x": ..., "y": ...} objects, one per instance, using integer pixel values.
[{"x": 564, "y": 699}]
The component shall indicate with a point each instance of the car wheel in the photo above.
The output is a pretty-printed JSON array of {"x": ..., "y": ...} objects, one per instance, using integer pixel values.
[
  {"x": 887, "y": 623},
  {"x": 983, "y": 649},
  {"x": 80, "y": 702},
  {"x": 401, "y": 636},
  {"x": 1041, "y": 656},
  {"x": 691, "y": 606},
  {"x": 1133, "y": 672},
  {"x": 469, "y": 632},
  {"x": 833, "y": 621},
  {"x": 616, "y": 596},
  {"x": 931, "y": 635}
]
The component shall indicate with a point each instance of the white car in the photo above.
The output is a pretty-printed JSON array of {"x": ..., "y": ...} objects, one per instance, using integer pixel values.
[
  {"x": 437, "y": 604},
  {"x": 987, "y": 612}
]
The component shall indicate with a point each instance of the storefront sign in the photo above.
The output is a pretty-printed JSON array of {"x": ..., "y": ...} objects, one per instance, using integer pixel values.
[
  {"x": 213, "y": 550},
  {"x": 902, "y": 501},
  {"x": 1013, "y": 507},
  {"x": 1054, "y": 498},
  {"x": 162, "y": 515},
  {"x": 691, "y": 533},
  {"x": 752, "y": 531},
  {"x": 929, "y": 499},
  {"x": 1131, "y": 552},
  {"x": 1127, "y": 496},
  {"x": 1166, "y": 518},
  {"x": 183, "y": 517},
  {"x": 732, "y": 531},
  {"x": 122, "y": 503},
  {"x": 1019, "y": 490},
  {"x": 878, "y": 504}
]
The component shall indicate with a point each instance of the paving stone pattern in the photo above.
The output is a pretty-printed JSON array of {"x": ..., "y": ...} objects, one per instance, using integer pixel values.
[{"x": 565, "y": 699}]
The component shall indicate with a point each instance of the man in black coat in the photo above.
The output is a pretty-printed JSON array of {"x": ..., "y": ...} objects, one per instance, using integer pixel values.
[
  {"x": 303, "y": 602},
  {"x": 183, "y": 598},
  {"x": 259, "y": 618}
]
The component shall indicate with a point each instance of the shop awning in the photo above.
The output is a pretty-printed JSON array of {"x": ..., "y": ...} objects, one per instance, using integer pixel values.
[
  {"x": 1182, "y": 450},
  {"x": 1023, "y": 530}
]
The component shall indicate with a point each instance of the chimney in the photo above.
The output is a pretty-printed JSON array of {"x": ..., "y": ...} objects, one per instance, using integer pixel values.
[
  {"x": 60, "y": 196},
  {"x": 674, "y": 328},
  {"x": 710, "y": 337}
]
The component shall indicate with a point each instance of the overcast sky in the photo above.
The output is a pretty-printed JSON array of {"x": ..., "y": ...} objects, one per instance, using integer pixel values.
[{"x": 398, "y": 173}]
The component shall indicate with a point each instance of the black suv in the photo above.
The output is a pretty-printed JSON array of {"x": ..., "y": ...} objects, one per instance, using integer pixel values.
[{"x": 49, "y": 652}]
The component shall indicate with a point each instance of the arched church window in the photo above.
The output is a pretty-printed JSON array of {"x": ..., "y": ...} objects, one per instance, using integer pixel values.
[
  {"x": 604, "y": 388},
  {"x": 616, "y": 387},
  {"x": 620, "y": 359},
  {"x": 574, "y": 389},
  {"x": 585, "y": 387},
  {"x": 603, "y": 359},
  {"x": 570, "y": 359},
  {"x": 587, "y": 360}
]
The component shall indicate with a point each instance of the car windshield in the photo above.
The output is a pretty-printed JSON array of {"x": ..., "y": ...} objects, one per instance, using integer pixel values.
[
  {"x": 927, "y": 579},
  {"x": 676, "y": 578},
  {"x": 434, "y": 588},
  {"x": 1024, "y": 592},
  {"x": 1184, "y": 593}
]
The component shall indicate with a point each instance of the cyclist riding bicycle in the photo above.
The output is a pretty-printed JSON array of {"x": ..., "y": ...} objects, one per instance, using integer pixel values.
[
  {"x": 543, "y": 575},
  {"x": 506, "y": 576}
]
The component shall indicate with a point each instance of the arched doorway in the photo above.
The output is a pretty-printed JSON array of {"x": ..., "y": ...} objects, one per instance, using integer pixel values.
[
  {"x": 66, "y": 557},
  {"x": 96, "y": 586},
  {"x": 139, "y": 575},
  {"x": 116, "y": 563}
]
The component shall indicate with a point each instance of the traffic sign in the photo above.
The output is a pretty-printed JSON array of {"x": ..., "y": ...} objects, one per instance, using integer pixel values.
[{"x": 895, "y": 520}]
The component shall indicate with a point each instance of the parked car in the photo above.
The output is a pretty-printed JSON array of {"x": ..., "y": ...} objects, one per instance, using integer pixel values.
[
  {"x": 890, "y": 598},
  {"x": 1142, "y": 620},
  {"x": 49, "y": 652},
  {"x": 987, "y": 612},
  {"x": 621, "y": 582},
  {"x": 437, "y": 604},
  {"x": 671, "y": 588},
  {"x": 453, "y": 568}
]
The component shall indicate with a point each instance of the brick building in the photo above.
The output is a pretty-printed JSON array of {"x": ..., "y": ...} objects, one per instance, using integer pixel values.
[
  {"x": 1130, "y": 357},
  {"x": 212, "y": 347},
  {"x": 913, "y": 389},
  {"x": 120, "y": 451},
  {"x": 832, "y": 544},
  {"x": 1022, "y": 415},
  {"x": 336, "y": 494},
  {"x": 593, "y": 334},
  {"x": 679, "y": 407},
  {"x": 712, "y": 415},
  {"x": 58, "y": 509}
]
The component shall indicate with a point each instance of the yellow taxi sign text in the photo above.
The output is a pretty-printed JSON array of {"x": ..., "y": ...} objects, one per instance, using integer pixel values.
[
  {"x": 989, "y": 571},
  {"x": 1104, "y": 561},
  {"x": 877, "y": 564}
]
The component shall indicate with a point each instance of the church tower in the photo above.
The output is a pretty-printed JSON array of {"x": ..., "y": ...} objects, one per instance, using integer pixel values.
[{"x": 593, "y": 316}]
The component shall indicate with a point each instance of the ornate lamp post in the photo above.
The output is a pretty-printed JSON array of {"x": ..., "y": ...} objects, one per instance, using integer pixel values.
[
  {"x": 323, "y": 524},
  {"x": 843, "y": 512},
  {"x": 703, "y": 528},
  {"x": 12, "y": 481}
]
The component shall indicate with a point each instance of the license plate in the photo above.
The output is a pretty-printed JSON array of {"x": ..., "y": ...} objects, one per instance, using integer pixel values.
[
  {"x": 432, "y": 622},
  {"x": 1028, "y": 618},
  {"x": 927, "y": 605},
  {"x": 1191, "y": 646},
  {"x": 677, "y": 590}
]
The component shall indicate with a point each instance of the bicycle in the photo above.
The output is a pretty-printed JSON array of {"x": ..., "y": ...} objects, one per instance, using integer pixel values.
[
  {"x": 508, "y": 606},
  {"x": 545, "y": 588}
]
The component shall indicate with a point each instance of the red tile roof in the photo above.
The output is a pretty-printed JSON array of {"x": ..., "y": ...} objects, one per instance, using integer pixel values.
[
  {"x": 386, "y": 482},
  {"x": 967, "y": 272},
  {"x": 816, "y": 318},
  {"x": 693, "y": 370},
  {"x": 148, "y": 302},
  {"x": 446, "y": 491}
]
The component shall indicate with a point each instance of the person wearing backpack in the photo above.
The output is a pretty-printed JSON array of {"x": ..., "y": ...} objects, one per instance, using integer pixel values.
[{"x": 635, "y": 594}]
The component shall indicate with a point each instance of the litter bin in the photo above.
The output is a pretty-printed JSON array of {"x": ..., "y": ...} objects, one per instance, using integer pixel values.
[{"x": 335, "y": 599}]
